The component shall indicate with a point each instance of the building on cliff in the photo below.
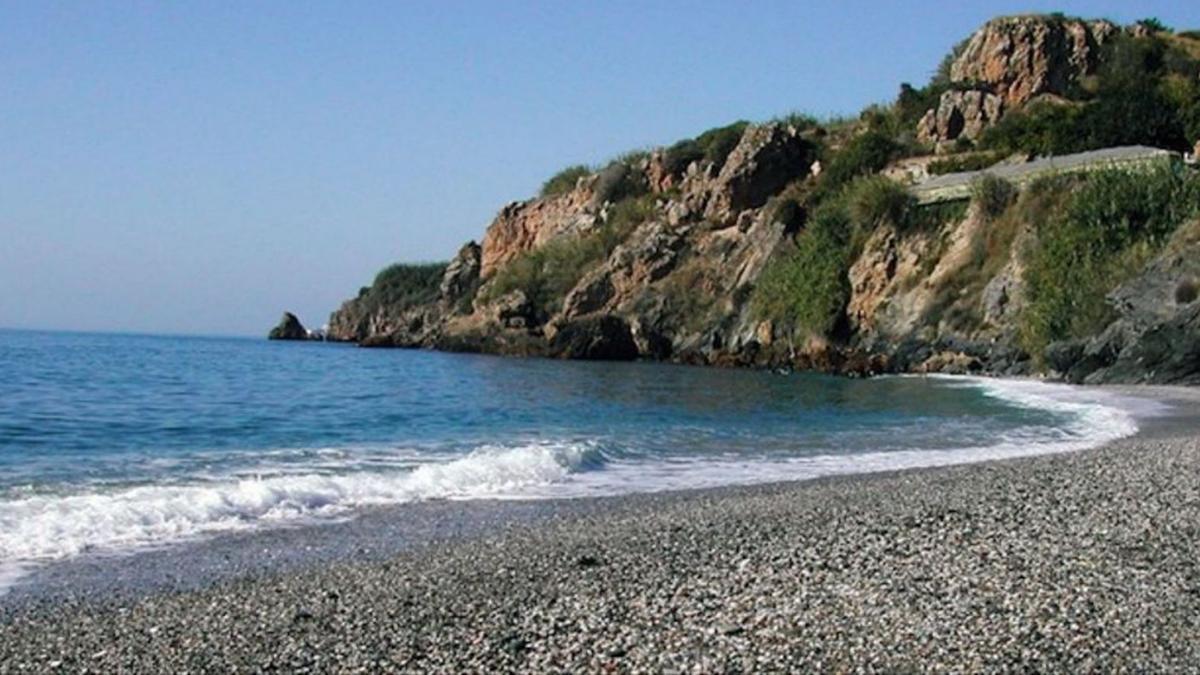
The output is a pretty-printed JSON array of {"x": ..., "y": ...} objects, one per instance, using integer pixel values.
[{"x": 957, "y": 186}]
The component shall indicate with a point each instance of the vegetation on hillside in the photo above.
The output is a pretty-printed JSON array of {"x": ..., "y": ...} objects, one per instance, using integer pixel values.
[
  {"x": 1110, "y": 224},
  {"x": 805, "y": 290},
  {"x": 564, "y": 181},
  {"x": 1146, "y": 91},
  {"x": 402, "y": 286},
  {"x": 713, "y": 145}
]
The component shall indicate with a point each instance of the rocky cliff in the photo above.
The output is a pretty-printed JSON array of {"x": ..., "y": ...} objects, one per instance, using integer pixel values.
[
  {"x": 1010, "y": 62},
  {"x": 662, "y": 255}
]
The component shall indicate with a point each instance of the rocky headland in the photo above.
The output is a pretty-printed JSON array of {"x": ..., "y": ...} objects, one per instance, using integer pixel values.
[{"x": 796, "y": 243}]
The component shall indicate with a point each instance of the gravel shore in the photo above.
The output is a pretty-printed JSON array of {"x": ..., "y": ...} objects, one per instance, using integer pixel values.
[{"x": 1079, "y": 562}]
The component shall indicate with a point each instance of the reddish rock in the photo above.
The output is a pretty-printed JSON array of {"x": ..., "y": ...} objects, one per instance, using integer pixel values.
[{"x": 1021, "y": 57}]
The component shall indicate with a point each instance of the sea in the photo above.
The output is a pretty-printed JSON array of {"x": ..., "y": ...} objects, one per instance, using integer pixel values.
[{"x": 112, "y": 443}]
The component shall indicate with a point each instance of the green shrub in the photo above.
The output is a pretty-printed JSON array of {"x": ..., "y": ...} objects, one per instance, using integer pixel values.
[
  {"x": 806, "y": 290},
  {"x": 404, "y": 285},
  {"x": 1154, "y": 25},
  {"x": 627, "y": 214},
  {"x": 865, "y": 154},
  {"x": 633, "y": 157},
  {"x": 912, "y": 103},
  {"x": 1039, "y": 129},
  {"x": 877, "y": 200},
  {"x": 799, "y": 120},
  {"x": 942, "y": 75},
  {"x": 619, "y": 181},
  {"x": 547, "y": 273},
  {"x": 1107, "y": 229},
  {"x": 679, "y": 156},
  {"x": 993, "y": 195},
  {"x": 721, "y": 141},
  {"x": 564, "y": 181},
  {"x": 931, "y": 217},
  {"x": 1190, "y": 34},
  {"x": 713, "y": 145}
]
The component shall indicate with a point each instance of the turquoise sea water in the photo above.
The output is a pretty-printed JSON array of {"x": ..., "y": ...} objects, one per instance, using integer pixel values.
[{"x": 113, "y": 442}]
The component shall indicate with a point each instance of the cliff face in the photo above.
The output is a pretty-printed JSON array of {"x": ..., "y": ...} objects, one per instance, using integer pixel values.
[
  {"x": 1019, "y": 58},
  {"x": 1008, "y": 63},
  {"x": 655, "y": 257},
  {"x": 675, "y": 285}
]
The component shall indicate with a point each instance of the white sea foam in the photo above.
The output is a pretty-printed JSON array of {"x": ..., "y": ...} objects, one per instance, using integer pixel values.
[
  {"x": 1092, "y": 418},
  {"x": 44, "y": 527},
  {"x": 47, "y": 527}
]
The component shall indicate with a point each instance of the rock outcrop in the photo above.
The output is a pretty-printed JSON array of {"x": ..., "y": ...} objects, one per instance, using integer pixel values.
[
  {"x": 289, "y": 328},
  {"x": 461, "y": 279},
  {"x": 523, "y": 226},
  {"x": 767, "y": 158},
  {"x": 960, "y": 114},
  {"x": 1021, "y": 57},
  {"x": 1008, "y": 63}
]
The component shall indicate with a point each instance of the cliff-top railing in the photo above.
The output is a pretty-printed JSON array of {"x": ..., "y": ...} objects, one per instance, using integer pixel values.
[{"x": 956, "y": 186}]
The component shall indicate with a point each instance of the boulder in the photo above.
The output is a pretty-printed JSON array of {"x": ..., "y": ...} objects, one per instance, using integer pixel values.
[
  {"x": 288, "y": 328},
  {"x": 514, "y": 310}
]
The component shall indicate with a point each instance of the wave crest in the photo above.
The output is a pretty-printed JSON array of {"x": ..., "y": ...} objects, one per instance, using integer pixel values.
[{"x": 47, "y": 527}]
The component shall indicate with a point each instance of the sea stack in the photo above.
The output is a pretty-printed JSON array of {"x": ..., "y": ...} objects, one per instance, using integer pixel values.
[{"x": 288, "y": 328}]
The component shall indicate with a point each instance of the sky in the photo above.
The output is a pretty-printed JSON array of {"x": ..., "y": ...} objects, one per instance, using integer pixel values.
[{"x": 200, "y": 167}]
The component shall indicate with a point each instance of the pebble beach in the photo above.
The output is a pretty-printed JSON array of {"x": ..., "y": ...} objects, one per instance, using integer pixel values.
[{"x": 1087, "y": 561}]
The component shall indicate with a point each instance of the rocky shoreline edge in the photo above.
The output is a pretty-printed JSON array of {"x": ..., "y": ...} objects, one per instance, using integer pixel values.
[{"x": 1082, "y": 561}]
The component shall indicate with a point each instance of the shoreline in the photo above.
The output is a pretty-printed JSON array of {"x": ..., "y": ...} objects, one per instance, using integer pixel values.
[
  {"x": 376, "y": 533},
  {"x": 1028, "y": 562}
]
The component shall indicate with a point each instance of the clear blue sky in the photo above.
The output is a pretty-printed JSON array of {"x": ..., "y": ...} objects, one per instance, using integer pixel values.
[{"x": 199, "y": 167}]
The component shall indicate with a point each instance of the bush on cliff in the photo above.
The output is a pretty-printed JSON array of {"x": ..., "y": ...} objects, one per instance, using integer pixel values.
[
  {"x": 974, "y": 161},
  {"x": 547, "y": 273},
  {"x": 876, "y": 200},
  {"x": 806, "y": 290},
  {"x": 403, "y": 285},
  {"x": 1110, "y": 226},
  {"x": 564, "y": 181},
  {"x": 713, "y": 145},
  {"x": 865, "y": 154},
  {"x": 992, "y": 195},
  {"x": 1142, "y": 93}
]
